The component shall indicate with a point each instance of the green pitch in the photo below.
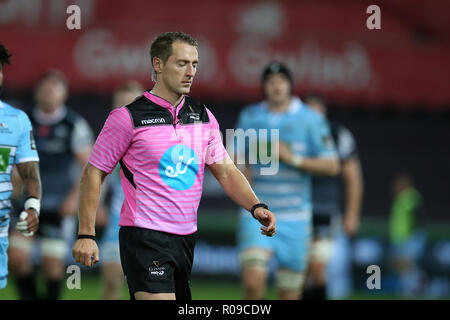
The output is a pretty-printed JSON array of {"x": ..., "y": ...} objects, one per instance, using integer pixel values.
[
  {"x": 91, "y": 289},
  {"x": 201, "y": 290}
]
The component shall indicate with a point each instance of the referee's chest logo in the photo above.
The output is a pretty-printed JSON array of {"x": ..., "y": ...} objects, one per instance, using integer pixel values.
[{"x": 178, "y": 167}]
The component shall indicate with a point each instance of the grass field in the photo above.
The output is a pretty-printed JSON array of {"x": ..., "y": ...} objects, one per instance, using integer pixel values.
[
  {"x": 91, "y": 290},
  {"x": 217, "y": 227},
  {"x": 201, "y": 290}
]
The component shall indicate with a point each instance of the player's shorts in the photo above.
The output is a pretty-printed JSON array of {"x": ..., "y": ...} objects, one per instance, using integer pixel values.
[
  {"x": 54, "y": 233},
  {"x": 156, "y": 262},
  {"x": 325, "y": 224},
  {"x": 290, "y": 244},
  {"x": 50, "y": 225},
  {"x": 4, "y": 225}
]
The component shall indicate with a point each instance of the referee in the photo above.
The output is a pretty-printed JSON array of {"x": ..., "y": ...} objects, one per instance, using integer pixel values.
[{"x": 163, "y": 140}]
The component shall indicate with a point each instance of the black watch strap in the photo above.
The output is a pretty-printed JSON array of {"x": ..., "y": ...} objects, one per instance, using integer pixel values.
[
  {"x": 86, "y": 236},
  {"x": 258, "y": 205}
]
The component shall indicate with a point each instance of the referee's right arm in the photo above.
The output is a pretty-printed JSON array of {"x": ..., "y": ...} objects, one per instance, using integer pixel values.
[
  {"x": 111, "y": 144},
  {"x": 91, "y": 182}
]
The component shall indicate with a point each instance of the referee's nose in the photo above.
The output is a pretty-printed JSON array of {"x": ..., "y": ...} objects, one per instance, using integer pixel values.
[{"x": 190, "y": 71}]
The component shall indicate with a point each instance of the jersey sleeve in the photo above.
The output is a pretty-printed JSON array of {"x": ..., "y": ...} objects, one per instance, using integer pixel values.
[
  {"x": 26, "y": 147},
  {"x": 215, "y": 150},
  {"x": 113, "y": 141},
  {"x": 322, "y": 143},
  {"x": 82, "y": 136},
  {"x": 346, "y": 146}
]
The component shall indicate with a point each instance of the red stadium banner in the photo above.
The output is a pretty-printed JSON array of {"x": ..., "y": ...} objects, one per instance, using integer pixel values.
[{"x": 327, "y": 46}]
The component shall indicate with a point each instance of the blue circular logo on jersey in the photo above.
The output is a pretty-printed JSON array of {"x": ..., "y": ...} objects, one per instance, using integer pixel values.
[{"x": 178, "y": 167}]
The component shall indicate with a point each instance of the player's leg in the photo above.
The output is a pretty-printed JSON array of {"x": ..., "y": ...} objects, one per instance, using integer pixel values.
[
  {"x": 289, "y": 283},
  {"x": 20, "y": 265},
  {"x": 255, "y": 253},
  {"x": 254, "y": 265},
  {"x": 112, "y": 277},
  {"x": 141, "y": 295},
  {"x": 53, "y": 252},
  {"x": 320, "y": 254},
  {"x": 148, "y": 263},
  {"x": 318, "y": 262},
  {"x": 291, "y": 250},
  {"x": 54, "y": 249},
  {"x": 111, "y": 269}
]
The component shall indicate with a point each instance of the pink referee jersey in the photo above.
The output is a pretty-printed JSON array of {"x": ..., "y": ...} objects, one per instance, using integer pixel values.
[{"x": 162, "y": 153}]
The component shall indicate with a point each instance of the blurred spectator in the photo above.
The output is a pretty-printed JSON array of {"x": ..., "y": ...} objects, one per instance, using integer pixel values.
[
  {"x": 406, "y": 233},
  {"x": 112, "y": 274},
  {"x": 63, "y": 140},
  {"x": 333, "y": 196}
]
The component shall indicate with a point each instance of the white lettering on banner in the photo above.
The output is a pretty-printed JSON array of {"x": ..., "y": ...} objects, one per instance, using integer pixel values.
[
  {"x": 264, "y": 19},
  {"x": 21, "y": 11},
  {"x": 99, "y": 53},
  {"x": 311, "y": 64}
]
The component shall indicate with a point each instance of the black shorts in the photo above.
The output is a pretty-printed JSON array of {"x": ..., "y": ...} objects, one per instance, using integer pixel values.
[
  {"x": 51, "y": 224},
  {"x": 156, "y": 262},
  {"x": 324, "y": 224}
]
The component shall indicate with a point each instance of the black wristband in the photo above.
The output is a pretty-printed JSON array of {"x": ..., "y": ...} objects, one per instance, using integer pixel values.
[
  {"x": 258, "y": 205},
  {"x": 86, "y": 236}
]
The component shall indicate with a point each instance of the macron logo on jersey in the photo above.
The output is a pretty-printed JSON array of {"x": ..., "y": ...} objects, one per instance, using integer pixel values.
[{"x": 152, "y": 121}]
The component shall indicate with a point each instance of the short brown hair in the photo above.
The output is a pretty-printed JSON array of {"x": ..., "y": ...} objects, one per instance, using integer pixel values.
[{"x": 162, "y": 45}]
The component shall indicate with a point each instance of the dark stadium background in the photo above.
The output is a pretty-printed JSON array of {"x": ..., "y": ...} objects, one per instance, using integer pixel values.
[{"x": 400, "y": 116}]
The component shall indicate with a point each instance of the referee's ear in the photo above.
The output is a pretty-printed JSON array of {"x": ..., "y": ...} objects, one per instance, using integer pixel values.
[{"x": 156, "y": 63}]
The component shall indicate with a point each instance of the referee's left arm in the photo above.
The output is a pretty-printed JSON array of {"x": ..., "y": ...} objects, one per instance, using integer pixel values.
[{"x": 239, "y": 190}]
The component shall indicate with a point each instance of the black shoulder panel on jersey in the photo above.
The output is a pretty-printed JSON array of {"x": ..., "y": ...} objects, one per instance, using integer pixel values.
[
  {"x": 193, "y": 111},
  {"x": 146, "y": 113},
  {"x": 127, "y": 173}
]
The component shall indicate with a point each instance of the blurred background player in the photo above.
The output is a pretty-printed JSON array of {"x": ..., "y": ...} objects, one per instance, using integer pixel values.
[
  {"x": 305, "y": 148},
  {"x": 406, "y": 233},
  {"x": 331, "y": 196},
  {"x": 16, "y": 147},
  {"x": 63, "y": 140},
  {"x": 112, "y": 274}
]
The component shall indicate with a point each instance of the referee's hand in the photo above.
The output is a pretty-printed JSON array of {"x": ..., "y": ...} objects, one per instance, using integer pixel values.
[
  {"x": 267, "y": 219},
  {"x": 85, "y": 251}
]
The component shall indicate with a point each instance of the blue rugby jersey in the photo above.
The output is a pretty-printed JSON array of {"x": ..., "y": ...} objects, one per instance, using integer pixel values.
[
  {"x": 288, "y": 192},
  {"x": 16, "y": 146}
]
